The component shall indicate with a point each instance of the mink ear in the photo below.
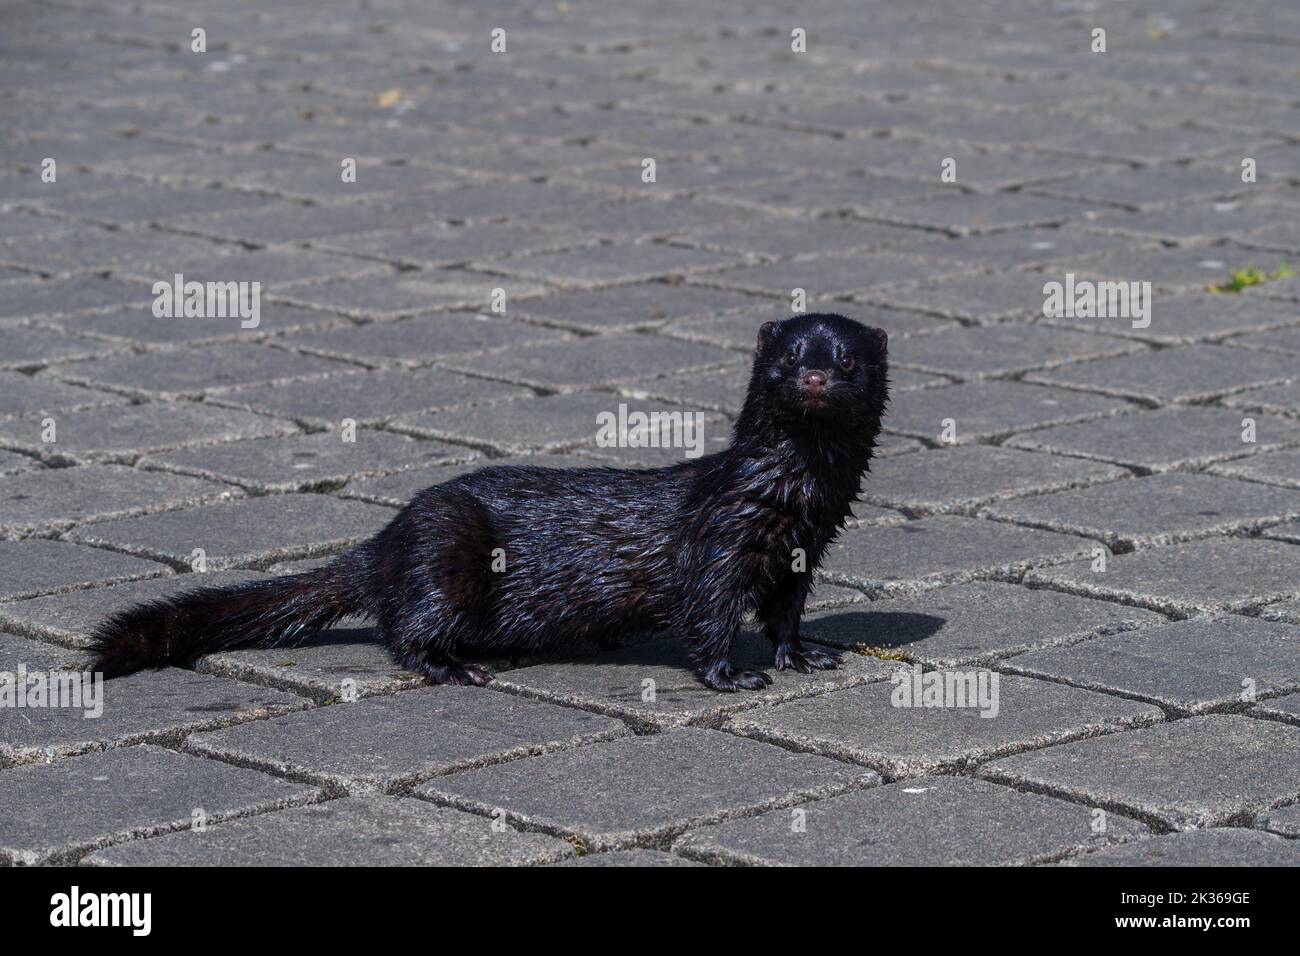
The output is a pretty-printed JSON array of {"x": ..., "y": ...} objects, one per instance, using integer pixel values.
[
  {"x": 882, "y": 339},
  {"x": 767, "y": 334}
]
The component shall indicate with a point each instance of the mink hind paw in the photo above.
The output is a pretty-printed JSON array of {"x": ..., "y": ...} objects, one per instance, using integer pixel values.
[
  {"x": 466, "y": 675},
  {"x": 805, "y": 660},
  {"x": 722, "y": 676}
]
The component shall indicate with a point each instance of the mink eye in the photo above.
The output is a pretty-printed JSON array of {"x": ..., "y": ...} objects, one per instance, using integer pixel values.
[
  {"x": 791, "y": 358},
  {"x": 847, "y": 363}
]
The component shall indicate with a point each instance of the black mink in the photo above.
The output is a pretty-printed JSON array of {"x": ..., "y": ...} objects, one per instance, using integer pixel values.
[{"x": 520, "y": 558}]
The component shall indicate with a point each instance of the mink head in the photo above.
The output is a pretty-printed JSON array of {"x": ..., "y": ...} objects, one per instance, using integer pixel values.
[{"x": 821, "y": 368}]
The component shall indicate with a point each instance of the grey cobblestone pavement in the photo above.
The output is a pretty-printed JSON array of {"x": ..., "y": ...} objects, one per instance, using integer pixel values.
[{"x": 1102, "y": 513}]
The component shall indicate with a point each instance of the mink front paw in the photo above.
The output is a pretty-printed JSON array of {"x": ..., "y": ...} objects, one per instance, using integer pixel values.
[
  {"x": 722, "y": 676},
  {"x": 805, "y": 660},
  {"x": 465, "y": 675}
]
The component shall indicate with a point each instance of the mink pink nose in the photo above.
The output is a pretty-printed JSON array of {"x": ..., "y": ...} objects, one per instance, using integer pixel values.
[{"x": 814, "y": 382}]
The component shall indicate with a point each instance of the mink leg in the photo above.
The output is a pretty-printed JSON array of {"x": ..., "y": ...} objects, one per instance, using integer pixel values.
[
  {"x": 780, "y": 614},
  {"x": 725, "y": 676},
  {"x": 445, "y": 669},
  {"x": 420, "y": 643},
  {"x": 710, "y": 648}
]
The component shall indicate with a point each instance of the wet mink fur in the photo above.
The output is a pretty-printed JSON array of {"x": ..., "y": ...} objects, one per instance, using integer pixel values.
[{"x": 588, "y": 552}]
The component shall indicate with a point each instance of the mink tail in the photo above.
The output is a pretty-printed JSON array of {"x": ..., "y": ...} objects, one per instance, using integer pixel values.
[{"x": 175, "y": 630}]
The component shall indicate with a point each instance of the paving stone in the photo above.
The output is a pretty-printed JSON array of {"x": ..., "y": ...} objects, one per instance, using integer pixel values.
[
  {"x": 69, "y": 618},
  {"x": 243, "y": 533},
  {"x": 1285, "y": 290},
  {"x": 609, "y": 262},
  {"x": 1199, "y": 848},
  {"x": 1285, "y": 340},
  {"x": 310, "y": 178},
  {"x": 153, "y": 707},
  {"x": 1286, "y": 709},
  {"x": 38, "y": 566},
  {"x": 553, "y": 424},
  {"x": 56, "y": 813},
  {"x": 16, "y": 652},
  {"x": 122, "y": 433},
  {"x": 1191, "y": 666},
  {"x": 832, "y": 596},
  {"x": 972, "y": 623},
  {"x": 964, "y": 478},
  {"x": 1274, "y": 468},
  {"x": 399, "y": 488},
  {"x": 837, "y": 275},
  {"x": 368, "y": 398},
  {"x": 1217, "y": 574},
  {"x": 809, "y": 236},
  {"x": 1277, "y": 237},
  {"x": 1205, "y": 219},
  {"x": 24, "y": 396},
  {"x": 370, "y": 830},
  {"x": 1156, "y": 510},
  {"x": 53, "y": 297},
  {"x": 57, "y": 498},
  {"x": 129, "y": 206},
  {"x": 970, "y": 214},
  {"x": 304, "y": 462},
  {"x": 929, "y": 821},
  {"x": 722, "y": 390},
  {"x": 1284, "y": 532},
  {"x": 639, "y": 790},
  {"x": 1282, "y": 611},
  {"x": 421, "y": 340},
  {"x": 1165, "y": 439},
  {"x": 11, "y": 463},
  {"x": 191, "y": 373},
  {"x": 330, "y": 666},
  {"x": 654, "y": 685},
  {"x": 823, "y": 195},
  {"x": 654, "y": 218},
  {"x": 1277, "y": 399},
  {"x": 290, "y": 222},
  {"x": 601, "y": 360},
  {"x": 88, "y": 251},
  {"x": 1192, "y": 374},
  {"x": 1192, "y": 317},
  {"x": 138, "y": 327},
  {"x": 383, "y": 297},
  {"x": 27, "y": 347},
  {"x": 1003, "y": 128},
  {"x": 906, "y": 380},
  {"x": 1284, "y": 821},
  {"x": 1179, "y": 269},
  {"x": 986, "y": 411},
  {"x": 1001, "y": 350},
  {"x": 637, "y": 306},
  {"x": 896, "y": 559},
  {"x": 1146, "y": 145},
  {"x": 637, "y": 858},
  {"x": 865, "y": 725},
  {"x": 1014, "y": 250},
  {"x": 971, "y": 299},
  {"x": 395, "y": 741},
  {"x": 1136, "y": 189},
  {"x": 1214, "y": 770},
  {"x": 442, "y": 244}
]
